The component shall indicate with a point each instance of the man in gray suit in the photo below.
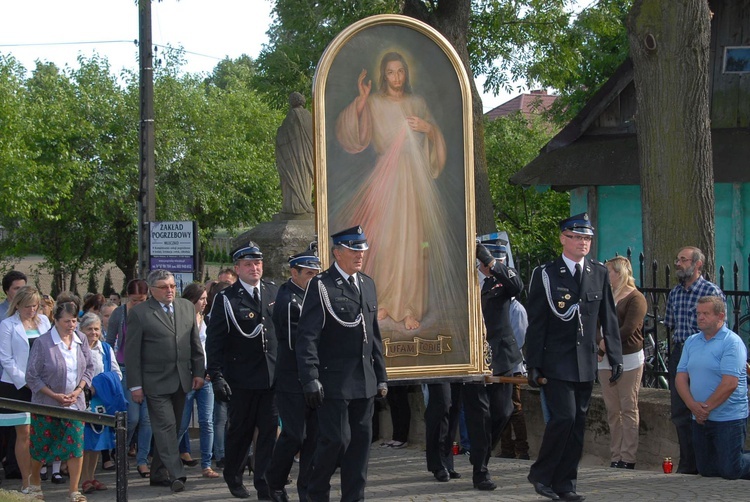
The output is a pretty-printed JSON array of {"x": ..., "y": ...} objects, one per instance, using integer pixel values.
[{"x": 165, "y": 360}]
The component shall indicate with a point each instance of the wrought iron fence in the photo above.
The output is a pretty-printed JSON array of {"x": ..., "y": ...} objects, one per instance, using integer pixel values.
[
  {"x": 659, "y": 346},
  {"x": 738, "y": 311}
]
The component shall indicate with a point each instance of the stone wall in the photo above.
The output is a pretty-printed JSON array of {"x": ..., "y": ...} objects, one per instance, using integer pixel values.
[{"x": 658, "y": 438}]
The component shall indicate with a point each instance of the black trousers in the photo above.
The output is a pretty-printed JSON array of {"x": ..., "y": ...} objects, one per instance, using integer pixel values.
[
  {"x": 487, "y": 409},
  {"x": 398, "y": 401},
  {"x": 441, "y": 424},
  {"x": 682, "y": 417},
  {"x": 247, "y": 410},
  {"x": 562, "y": 444},
  {"x": 344, "y": 436},
  {"x": 299, "y": 431}
]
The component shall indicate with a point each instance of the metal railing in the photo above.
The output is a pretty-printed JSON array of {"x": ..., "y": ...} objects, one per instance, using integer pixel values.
[
  {"x": 738, "y": 303},
  {"x": 118, "y": 421}
]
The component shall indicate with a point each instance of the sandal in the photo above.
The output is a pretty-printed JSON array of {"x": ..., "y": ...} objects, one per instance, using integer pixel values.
[
  {"x": 210, "y": 473},
  {"x": 144, "y": 474},
  {"x": 98, "y": 485},
  {"x": 88, "y": 487},
  {"x": 34, "y": 491},
  {"x": 77, "y": 497}
]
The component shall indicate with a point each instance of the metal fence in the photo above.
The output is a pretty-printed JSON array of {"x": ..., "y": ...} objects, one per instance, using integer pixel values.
[
  {"x": 738, "y": 309},
  {"x": 118, "y": 421}
]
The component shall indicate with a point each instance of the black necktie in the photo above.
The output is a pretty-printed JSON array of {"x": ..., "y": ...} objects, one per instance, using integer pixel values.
[
  {"x": 579, "y": 274},
  {"x": 256, "y": 296},
  {"x": 353, "y": 282}
]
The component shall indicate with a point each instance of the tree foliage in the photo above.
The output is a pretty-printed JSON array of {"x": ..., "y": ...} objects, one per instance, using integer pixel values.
[
  {"x": 530, "y": 217},
  {"x": 299, "y": 33},
  {"x": 69, "y": 159}
]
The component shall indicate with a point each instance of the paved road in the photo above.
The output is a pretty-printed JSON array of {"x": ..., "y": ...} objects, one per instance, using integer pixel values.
[{"x": 400, "y": 475}]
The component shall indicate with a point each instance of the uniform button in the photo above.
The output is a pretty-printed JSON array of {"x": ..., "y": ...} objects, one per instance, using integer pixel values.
[{"x": 578, "y": 343}]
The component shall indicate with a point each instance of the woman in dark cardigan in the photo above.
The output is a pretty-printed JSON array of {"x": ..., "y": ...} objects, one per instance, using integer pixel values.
[{"x": 59, "y": 369}]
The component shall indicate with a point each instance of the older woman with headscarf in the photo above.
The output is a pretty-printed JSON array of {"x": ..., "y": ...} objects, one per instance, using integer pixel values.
[{"x": 59, "y": 368}]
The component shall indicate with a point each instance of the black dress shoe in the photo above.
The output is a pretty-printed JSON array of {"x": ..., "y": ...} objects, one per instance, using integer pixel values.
[
  {"x": 441, "y": 475},
  {"x": 278, "y": 495},
  {"x": 453, "y": 474},
  {"x": 240, "y": 492},
  {"x": 486, "y": 485},
  {"x": 571, "y": 497},
  {"x": 159, "y": 482},
  {"x": 178, "y": 485},
  {"x": 190, "y": 463},
  {"x": 544, "y": 490}
]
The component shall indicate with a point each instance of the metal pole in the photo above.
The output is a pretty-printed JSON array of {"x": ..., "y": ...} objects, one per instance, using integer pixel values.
[
  {"x": 121, "y": 461},
  {"x": 146, "y": 195}
]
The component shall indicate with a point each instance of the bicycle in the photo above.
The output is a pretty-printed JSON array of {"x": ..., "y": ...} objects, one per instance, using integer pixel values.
[{"x": 655, "y": 369}]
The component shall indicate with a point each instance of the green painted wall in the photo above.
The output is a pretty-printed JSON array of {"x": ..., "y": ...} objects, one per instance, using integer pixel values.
[{"x": 619, "y": 224}]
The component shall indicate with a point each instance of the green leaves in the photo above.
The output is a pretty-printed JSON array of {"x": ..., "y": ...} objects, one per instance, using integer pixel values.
[
  {"x": 69, "y": 158},
  {"x": 529, "y": 217}
]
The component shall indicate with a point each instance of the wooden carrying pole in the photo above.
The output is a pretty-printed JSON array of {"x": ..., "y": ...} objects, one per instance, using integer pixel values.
[{"x": 520, "y": 380}]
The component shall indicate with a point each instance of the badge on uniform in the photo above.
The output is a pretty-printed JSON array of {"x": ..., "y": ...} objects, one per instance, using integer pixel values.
[
  {"x": 247, "y": 314},
  {"x": 561, "y": 305},
  {"x": 567, "y": 297}
]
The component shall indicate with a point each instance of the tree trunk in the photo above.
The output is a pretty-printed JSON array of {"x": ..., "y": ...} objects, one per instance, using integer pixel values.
[
  {"x": 669, "y": 45},
  {"x": 451, "y": 19}
]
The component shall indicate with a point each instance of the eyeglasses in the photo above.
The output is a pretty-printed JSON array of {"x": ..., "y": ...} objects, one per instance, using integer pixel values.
[
  {"x": 166, "y": 287},
  {"x": 579, "y": 238},
  {"x": 683, "y": 260}
]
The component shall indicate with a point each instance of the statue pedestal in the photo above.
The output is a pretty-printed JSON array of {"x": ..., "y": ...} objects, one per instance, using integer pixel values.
[{"x": 285, "y": 235}]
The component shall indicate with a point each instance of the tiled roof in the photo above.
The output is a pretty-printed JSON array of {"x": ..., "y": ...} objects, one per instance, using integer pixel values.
[{"x": 529, "y": 104}]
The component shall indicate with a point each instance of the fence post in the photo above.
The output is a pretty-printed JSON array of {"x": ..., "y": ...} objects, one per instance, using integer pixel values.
[{"x": 121, "y": 461}]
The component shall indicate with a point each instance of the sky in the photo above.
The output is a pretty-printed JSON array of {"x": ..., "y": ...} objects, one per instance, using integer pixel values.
[{"x": 209, "y": 30}]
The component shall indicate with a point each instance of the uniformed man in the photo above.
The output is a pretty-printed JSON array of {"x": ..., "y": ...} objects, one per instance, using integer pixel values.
[
  {"x": 567, "y": 297},
  {"x": 488, "y": 408},
  {"x": 241, "y": 354},
  {"x": 299, "y": 422},
  {"x": 341, "y": 366}
]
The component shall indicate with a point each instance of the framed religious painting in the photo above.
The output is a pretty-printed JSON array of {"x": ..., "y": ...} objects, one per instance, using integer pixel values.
[{"x": 393, "y": 139}]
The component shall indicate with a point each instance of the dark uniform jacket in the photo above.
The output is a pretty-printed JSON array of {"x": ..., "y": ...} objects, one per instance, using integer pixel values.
[
  {"x": 347, "y": 363},
  {"x": 286, "y": 314},
  {"x": 497, "y": 291},
  {"x": 245, "y": 363},
  {"x": 558, "y": 348}
]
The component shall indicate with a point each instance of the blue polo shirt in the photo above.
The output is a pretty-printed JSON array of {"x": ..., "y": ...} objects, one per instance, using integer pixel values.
[{"x": 706, "y": 361}]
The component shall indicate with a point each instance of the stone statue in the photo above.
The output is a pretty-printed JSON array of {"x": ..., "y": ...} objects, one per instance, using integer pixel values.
[{"x": 294, "y": 158}]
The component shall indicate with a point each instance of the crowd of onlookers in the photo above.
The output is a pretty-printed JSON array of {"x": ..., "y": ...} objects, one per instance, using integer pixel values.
[{"x": 70, "y": 353}]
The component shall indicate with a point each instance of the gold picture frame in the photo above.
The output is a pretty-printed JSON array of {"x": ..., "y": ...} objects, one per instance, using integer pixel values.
[{"x": 394, "y": 154}]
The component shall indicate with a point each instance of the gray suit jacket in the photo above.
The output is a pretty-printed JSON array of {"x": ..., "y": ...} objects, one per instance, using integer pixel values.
[{"x": 161, "y": 358}]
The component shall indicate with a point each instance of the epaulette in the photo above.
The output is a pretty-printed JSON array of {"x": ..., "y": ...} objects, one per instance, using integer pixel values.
[{"x": 268, "y": 282}]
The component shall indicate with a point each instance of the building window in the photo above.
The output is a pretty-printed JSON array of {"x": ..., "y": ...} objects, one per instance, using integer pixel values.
[{"x": 737, "y": 59}]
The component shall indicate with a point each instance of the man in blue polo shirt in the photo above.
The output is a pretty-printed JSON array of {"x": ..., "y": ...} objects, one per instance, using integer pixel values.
[
  {"x": 680, "y": 319},
  {"x": 712, "y": 381}
]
